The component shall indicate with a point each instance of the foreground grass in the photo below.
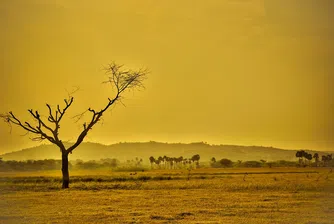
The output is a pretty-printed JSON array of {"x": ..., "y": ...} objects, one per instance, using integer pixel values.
[{"x": 179, "y": 196}]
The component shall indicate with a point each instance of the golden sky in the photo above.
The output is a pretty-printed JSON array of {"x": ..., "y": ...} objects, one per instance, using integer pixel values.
[{"x": 248, "y": 72}]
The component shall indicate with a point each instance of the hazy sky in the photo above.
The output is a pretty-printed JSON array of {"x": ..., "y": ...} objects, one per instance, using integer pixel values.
[{"x": 223, "y": 71}]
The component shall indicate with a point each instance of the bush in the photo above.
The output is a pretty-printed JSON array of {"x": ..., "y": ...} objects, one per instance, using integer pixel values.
[
  {"x": 284, "y": 163},
  {"x": 226, "y": 162},
  {"x": 31, "y": 165},
  {"x": 251, "y": 164}
]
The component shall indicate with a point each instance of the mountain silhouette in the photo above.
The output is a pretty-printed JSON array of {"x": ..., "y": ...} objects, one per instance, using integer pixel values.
[{"x": 124, "y": 151}]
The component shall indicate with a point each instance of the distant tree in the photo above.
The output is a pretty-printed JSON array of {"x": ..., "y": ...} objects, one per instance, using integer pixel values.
[
  {"x": 213, "y": 160},
  {"x": 196, "y": 159},
  {"x": 251, "y": 164},
  {"x": 114, "y": 163},
  {"x": 152, "y": 160},
  {"x": 226, "y": 162},
  {"x": 326, "y": 159},
  {"x": 91, "y": 164},
  {"x": 48, "y": 129},
  {"x": 316, "y": 158},
  {"x": 179, "y": 160},
  {"x": 31, "y": 165},
  {"x": 299, "y": 155},
  {"x": 109, "y": 163},
  {"x": 263, "y": 161},
  {"x": 309, "y": 157},
  {"x": 160, "y": 160}
]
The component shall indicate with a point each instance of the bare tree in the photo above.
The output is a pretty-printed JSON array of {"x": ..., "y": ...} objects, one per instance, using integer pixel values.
[{"x": 48, "y": 129}]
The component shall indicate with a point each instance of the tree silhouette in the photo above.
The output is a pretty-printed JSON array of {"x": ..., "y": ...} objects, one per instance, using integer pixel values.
[
  {"x": 300, "y": 154},
  {"x": 326, "y": 159},
  {"x": 308, "y": 156},
  {"x": 213, "y": 160},
  {"x": 179, "y": 160},
  {"x": 316, "y": 157},
  {"x": 226, "y": 162},
  {"x": 120, "y": 79},
  {"x": 263, "y": 161},
  {"x": 195, "y": 158},
  {"x": 152, "y": 160}
]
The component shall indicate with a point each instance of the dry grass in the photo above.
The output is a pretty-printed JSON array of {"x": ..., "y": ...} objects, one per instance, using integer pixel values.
[{"x": 164, "y": 196}]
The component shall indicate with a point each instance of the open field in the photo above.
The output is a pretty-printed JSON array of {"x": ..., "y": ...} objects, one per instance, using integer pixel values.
[{"x": 277, "y": 195}]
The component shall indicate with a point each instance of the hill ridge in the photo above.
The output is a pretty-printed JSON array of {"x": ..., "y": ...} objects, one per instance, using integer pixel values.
[{"x": 129, "y": 150}]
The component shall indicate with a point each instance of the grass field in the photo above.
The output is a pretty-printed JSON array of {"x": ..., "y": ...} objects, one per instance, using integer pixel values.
[{"x": 277, "y": 195}]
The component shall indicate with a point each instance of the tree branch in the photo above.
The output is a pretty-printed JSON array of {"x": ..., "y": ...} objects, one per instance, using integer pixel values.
[
  {"x": 121, "y": 80},
  {"x": 41, "y": 126},
  {"x": 10, "y": 119}
]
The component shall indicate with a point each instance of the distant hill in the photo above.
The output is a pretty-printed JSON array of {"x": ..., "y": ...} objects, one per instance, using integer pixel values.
[{"x": 125, "y": 151}]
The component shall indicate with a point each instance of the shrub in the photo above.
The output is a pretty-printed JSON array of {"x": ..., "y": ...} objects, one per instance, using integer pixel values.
[
  {"x": 251, "y": 164},
  {"x": 226, "y": 162}
]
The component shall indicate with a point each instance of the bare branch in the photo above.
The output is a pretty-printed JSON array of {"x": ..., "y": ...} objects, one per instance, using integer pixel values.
[
  {"x": 10, "y": 118},
  {"x": 51, "y": 117},
  {"x": 40, "y": 121},
  {"x": 41, "y": 126},
  {"x": 121, "y": 80},
  {"x": 70, "y": 94},
  {"x": 78, "y": 117},
  {"x": 68, "y": 104}
]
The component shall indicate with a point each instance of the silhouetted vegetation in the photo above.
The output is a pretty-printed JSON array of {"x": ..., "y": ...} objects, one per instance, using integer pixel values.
[
  {"x": 226, "y": 163},
  {"x": 305, "y": 159},
  {"x": 327, "y": 160},
  {"x": 127, "y": 150},
  {"x": 51, "y": 164},
  {"x": 48, "y": 129},
  {"x": 31, "y": 165},
  {"x": 222, "y": 163},
  {"x": 166, "y": 162},
  {"x": 92, "y": 164}
]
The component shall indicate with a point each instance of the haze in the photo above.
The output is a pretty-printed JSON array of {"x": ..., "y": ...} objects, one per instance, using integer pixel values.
[{"x": 222, "y": 71}]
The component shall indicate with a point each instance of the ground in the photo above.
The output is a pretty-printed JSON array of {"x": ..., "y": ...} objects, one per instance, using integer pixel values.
[{"x": 258, "y": 195}]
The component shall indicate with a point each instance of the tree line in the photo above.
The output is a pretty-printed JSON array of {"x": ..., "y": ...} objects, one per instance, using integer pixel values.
[
  {"x": 305, "y": 159},
  {"x": 30, "y": 165},
  {"x": 174, "y": 162},
  {"x": 52, "y": 164},
  {"x": 225, "y": 163}
]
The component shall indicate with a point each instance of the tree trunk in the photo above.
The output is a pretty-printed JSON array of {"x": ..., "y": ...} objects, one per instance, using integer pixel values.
[{"x": 64, "y": 169}]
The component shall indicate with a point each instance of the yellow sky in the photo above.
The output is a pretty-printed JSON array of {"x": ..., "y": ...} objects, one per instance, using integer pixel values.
[{"x": 252, "y": 72}]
